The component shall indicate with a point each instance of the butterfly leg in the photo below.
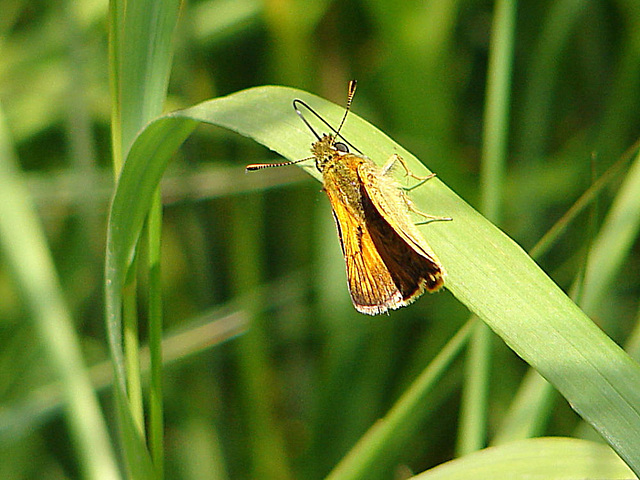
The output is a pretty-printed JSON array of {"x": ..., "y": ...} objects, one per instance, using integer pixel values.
[
  {"x": 428, "y": 218},
  {"x": 395, "y": 158}
]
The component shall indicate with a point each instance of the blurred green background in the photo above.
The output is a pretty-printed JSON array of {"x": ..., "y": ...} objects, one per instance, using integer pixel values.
[{"x": 234, "y": 242}]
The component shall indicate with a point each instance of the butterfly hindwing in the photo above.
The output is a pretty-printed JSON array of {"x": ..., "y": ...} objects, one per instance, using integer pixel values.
[{"x": 398, "y": 240}]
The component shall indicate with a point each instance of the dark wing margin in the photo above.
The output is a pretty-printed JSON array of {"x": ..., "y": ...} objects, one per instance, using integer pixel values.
[{"x": 413, "y": 266}]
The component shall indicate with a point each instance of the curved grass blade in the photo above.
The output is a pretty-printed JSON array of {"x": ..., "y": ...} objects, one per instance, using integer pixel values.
[{"x": 487, "y": 271}]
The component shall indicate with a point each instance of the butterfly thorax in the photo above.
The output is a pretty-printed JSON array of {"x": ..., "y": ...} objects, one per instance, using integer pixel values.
[{"x": 339, "y": 170}]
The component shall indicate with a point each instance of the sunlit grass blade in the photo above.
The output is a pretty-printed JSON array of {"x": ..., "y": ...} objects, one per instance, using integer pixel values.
[
  {"x": 547, "y": 457},
  {"x": 487, "y": 271},
  {"x": 534, "y": 399},
  {"x": 142, "y": 49}
]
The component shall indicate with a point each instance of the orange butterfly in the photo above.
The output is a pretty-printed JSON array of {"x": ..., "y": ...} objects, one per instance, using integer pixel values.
[{"x": 389, "y": 263}]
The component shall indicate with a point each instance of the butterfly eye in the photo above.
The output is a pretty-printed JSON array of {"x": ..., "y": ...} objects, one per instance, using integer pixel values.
[{"x": 341, "y": 147}]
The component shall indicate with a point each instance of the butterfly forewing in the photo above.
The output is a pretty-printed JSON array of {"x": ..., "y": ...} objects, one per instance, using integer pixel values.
[{"x": 371, "y": 286}]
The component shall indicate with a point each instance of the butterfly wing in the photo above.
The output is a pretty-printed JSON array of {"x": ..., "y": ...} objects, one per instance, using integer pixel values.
[
  {"x": 412, "y": 263},
  {"x": 371, "y": 285}
]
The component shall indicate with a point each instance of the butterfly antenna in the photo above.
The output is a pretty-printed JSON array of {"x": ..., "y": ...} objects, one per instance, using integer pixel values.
[
  {"x": 305, "y": 121},
  {"x": 297, "y": 103},
  {"x": 351, "y": 91},
  {"x": 260, "y": 166}
]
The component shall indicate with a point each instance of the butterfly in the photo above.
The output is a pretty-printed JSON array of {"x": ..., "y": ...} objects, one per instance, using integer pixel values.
[{"x": 389, "y": 263}]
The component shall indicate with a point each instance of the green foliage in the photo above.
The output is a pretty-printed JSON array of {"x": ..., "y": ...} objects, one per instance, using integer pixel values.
[
  {"x": 268, "y": 371},
  {"x": 552, "y": 458}
]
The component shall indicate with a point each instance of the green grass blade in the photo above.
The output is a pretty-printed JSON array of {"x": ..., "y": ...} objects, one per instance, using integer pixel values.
[
  {"x": 472, "y": 427},
  {"x": 551, "y": 458},
  {"x": 26, "y": 252},
  {"x": 140, "y": 55},
  {"x": 496, "y": 116},
  {"x": 156, "y": 404},
  {"x": 134, "y": 194},
  {"x": 255, "y": 372},
  {"x": 473, "y": 417},
  {"x": 194, "y": 337},
  {"x": 385, "y": 438},
  {"x": 131, "y": 346},
  {"x": 146, "y": 51},
  {"x": 528, "y": 413},
  {"x": 545, "y": 69},
  {"x": 612, "y": 174},
  {"x": 614, "y": 241},
  {"x": 487, "y": 271}
]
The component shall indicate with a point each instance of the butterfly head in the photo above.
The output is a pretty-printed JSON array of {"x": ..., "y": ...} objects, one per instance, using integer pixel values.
[{"x": 326, "y": 149}]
